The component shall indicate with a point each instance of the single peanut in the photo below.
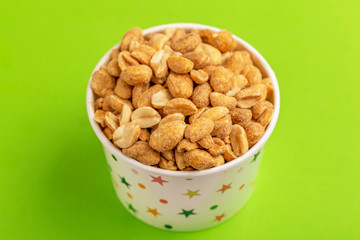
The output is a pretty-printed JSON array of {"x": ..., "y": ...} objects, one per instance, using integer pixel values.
[
  {"x": 240, "y": 116},
  {"x": 125, "y": 115},
  {"x": 217, "y": 148},
  {"x": 99, "y": 117},
  {"x": 201, "y": 95},
  {"x": 144, "y": 135},
  {"x": 180, "y": 85},
  {"x": 215, "y": 113},
  {"x": 186, "y": 145},
  {"x": 198, "y": 129},
  {"x": 117, "y": 103},
  {"x": 219, "y": 99},
  {"x": 161, "y": 98},
  {"x": 224, "y": 41},
  {"x": 219, "y": 160},
  {"x": 122, "y": 89},
  {"x": 229, "y": 155},
  {"x": 222, "y": 127},
  {"x": 238, "y": 140},
  {"x": 199, "y": 76},
  {"x": 111, "y": 121},
  {"x": 180, "y": 160},
  {"x": 143, "y": 54},
  {"x": 142, "y": 152},
  {"x": 206, "y": 142},
  {"x": 134, "y": 34},
  {"x": 101, "y": 82},
  {"x": 108, "y": 133},
  {"x": 221, "y": 80},
  {"x": 158, "y": 64},
  {"x": 138, "y": 74},
  {"x": 252, "y": 74},
  {"x": 126, "y": 135},
  {"x": 145, "y": 98},
  {"x": 186, "y": 43},
  {"x": 199, "y": 159},
  {"x": 172, "y": 117},
  {"x": 113, "y": 68},
  {"x": 254, "y": 131},
  {"x": 180, "y": 65},
  {"x": 167, "y": 136},
  {"x": 137, "y": 91},
  {"x": 199, "y": 59},
  {"x": 180, "y": 105},
  {"x": 125, "y": 60}
]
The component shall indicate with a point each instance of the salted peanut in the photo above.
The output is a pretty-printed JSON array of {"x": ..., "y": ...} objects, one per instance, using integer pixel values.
[
  {"x": 108, "y": 133},
  {"x": 125, "y": 115},
  {"x": 126, "y": 135},
  {"x": 226, "y": 140},
  {"x": 210, "y": 69},
  {"x": 114, "y": 53},
  {"x": 215, "y": 113},
  {"x": 167, "y": 136},
  {"x": 161, "y": 98},
  {"x": 180, "y": 85},
  {"x": 145, "y": 98},
  {"x": 180, "y": 105},
  {"x": 99, "y": 117},
  {"x": 106, "y": 102},
  {"x": 214, "y": 54},
  {"x": 158, "y": 64},
  {"x": 240, "y": 116},
  {"x": 135, "y": 75},
  {"x": 113, "y": 68},
  {"x": 200, "y": 59},
  {"x": 134, "y": 45},
  {"x": 122, "y": 89},
  {"x": 186, "y": 43},
  {"x": 111, "y": 121},
  {"x": 169, "y": 31},
  {"x": 142, "y": 152},
  {"x": 180, "y": 65},
  {"x": 221, "y": 80},
  {"x": 125, "y": 60},
  {"x": 186, "y": 145},
  {"x": 158, "y": 41},
  {"x": 168, "y": 165},
  {"x": 199, "y": 159},
  {"x": 219, "y": 99},
  {"x": 172, "y": 117},
  {"x": 229, "y": 155},
  {"x": 180, "y": 160},
  {"x": 219, "y": 160},
  {"x": 169, "y": 155},
  {"x": 144, "y": 135},
  {"x": 258, "y": 109},
  {"x": 238, "y": 140},
  {"x": 197, "y": 114},
  {"x": 134, "y": 34},
  {"x": 254, "y": 131},
  {"x": 98, "y": 103},
  {"x": 238, "y": 61},
  {"x": 266, "y": 117},
  {"x": 137, "y": 91},
  {"x": 201, "y": 95},
  {"x": 225, "y": 57},
  {"x": 224, "y": 41},
  {"x": 222, "y": 127},
  {"x": 179, "y": 33},
  {"x": 168, "y": 50},
  {"x": 199, "y": 76},
  {"x": 146, "y": 117},
  {"x": 148, "y": 36},
  {"x": 217, "y": 148},
  {"x": 198, "y": 129},
  {"x": 248, "y": 97},
  {"x": 158, "y": 80},
  {"x": 208, "y": 36},
  {"x": 269, "y": 86},
  {"x": 239, "y": 82},
  {"x": 252, "y": 74},
  {"x": 143, "y": 54},
  {"x": 117, "y": 103},
  {"x": 101, "y": 82},
  {"x": 206, "y": 142}
]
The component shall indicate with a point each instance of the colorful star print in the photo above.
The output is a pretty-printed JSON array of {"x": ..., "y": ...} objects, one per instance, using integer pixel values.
[
  {"x": 192, "y": 193},
  {"x": 158, "y": 180},
  {"x": 218, "y": 218},
  {"x": 224, "y": 188},
  {"x": 255, "y": 157},
  {"x": 187, "y": 213},
  {"x": 131, "y": 208},
  {"x": 125, "y": 182},
  {"x": 153, "y": 211}
]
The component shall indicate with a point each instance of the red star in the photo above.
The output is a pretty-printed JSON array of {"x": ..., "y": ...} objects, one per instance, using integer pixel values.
[
  {"x": 158, "y": 180},
  {"x": 218, "y": 218},
  {"x": 224, "y": 188}
]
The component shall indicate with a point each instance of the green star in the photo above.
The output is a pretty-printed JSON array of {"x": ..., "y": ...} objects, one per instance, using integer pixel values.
[
  {"x": 125, "y": 182},
  {"x": 187, "y": 213},
  {"x": 255, "y": 157},
  {"x": 132, "y": 208},
  {"x": 192, "y": 193}
]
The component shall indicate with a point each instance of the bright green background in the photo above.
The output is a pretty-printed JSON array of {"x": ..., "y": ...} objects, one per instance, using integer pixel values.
[{"x": 54, "y": 182}]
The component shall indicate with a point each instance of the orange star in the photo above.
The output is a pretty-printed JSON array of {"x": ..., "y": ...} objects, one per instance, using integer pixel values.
[
  {"x": 153, "y": 211},
  {"x": 224, "y": 188},
  {"x": 218, "y": 218}
]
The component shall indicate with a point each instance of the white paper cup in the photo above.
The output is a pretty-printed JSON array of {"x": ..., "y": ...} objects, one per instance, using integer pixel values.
[{"x": 185, "y": 201}]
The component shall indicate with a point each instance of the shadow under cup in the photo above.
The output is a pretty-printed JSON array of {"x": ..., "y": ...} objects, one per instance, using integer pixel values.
[{"x": 185, "y": 201}]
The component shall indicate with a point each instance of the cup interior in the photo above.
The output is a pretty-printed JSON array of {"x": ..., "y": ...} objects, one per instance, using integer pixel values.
[{"x": 259, "y": 61}]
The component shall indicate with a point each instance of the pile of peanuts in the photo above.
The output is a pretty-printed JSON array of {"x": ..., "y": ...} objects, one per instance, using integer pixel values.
[{"x": 182, "y": 99}]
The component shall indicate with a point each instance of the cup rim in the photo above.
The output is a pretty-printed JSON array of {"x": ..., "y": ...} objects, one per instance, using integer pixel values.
[{"x": 108, "y": 145}]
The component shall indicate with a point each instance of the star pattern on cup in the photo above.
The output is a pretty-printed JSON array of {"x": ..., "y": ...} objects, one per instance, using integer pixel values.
[
  {"x": 187, "y": 213},
  {"x": 255, "y": 157},
  {"x": 224, "y": 188},
  {"x": 153, "y": 211},
  {"x": 219, "y": 218},
  {"x": 158, "y": 179},
  {"x": 131, "y": 208},
  {"x": 123, "y": 180},
  {"x": 191, "y": 194}
]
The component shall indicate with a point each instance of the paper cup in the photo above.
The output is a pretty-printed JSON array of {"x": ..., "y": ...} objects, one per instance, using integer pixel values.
[{"x": 185, "y": 201}]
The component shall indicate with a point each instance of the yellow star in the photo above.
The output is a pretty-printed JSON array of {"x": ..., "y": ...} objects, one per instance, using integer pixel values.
[
  {"x": 192, "y": 193},
  {"x": 153, "y": 211}
]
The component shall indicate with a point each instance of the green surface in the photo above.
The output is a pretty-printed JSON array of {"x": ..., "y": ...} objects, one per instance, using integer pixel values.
[{"x": 54, "y": 182}]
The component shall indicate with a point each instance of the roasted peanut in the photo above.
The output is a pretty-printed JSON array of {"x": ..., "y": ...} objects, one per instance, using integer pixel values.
[
  {"x": 98, "y": 103},
  {"x": 266, "y": 117},
  {"x": 167, "y": 136},
  {"x": 221, "y": 80},
  {"x": 113, "y": 68},
  {"x": 158, "y": 64},
  {"x": 108, "y": 133},
  {"x": 240, "y": 116},
  {"x": 215, "y": 113},
  {"x": 186, "y": 43},
  {"x": 199, "y": 76},
  {"x": 200, "y": 59},
  {"x": 117, "y": 103},
  {"x": 134, "y": 34},
  {"x": 142, "y": 152},
  {"x": 158, "y": 41},
  {"x": 206, "y": 142},
  {"x": 111, "y": 121},
  {"x": 180, "y": 65},
  {"x": 168, "y": 165},
  {"x": 138, "y": 74},
  {"x": 224, "y": 41},
  {"x": 180, "y": 105},
  {"x": 269, "y": 86},
  {"x": 99, "y": 117},
  {"x": 172, "y": 117},
  {"x": 222, "y": 127},
  {"x": 201, "y": 95},
  {"x": 146, "y": 117},
  {"x": 143, "y": 54},
  {"x": 126, "y": 135},
  {"x": 144, "y": 135},
  {"x": 125, "y": 60},
  {"x": 248, "y": 97},
  {"x": 254, "y": 131},
  {"x": 145, "y": 98},
  {"x": 208, "y": 36},
  {"x": 219, "y": 99},
  {"x": 161, "y": 98},
  {"x": 186, "y": 145},
  {"x": 219, "y": 160},
  {"x": 258, "y": 109},
  {"x": 229, "y": 155},
  {"x": 169, "y": 155},
  {"x": 238, "y": 61},
  {"x": 252, "y": 74},
  {"x": 180, "y": 85},
  {"x": 125, "y": 115},
  {"x": 217, "y": 148},
  {"x": 114, "y": 53},
  {"x": 101, "y": 82},
  {"x": 239, "y": 82},
  {"x": 214, "y": 54},
  {"x": 197, "y": 114},
  {"x": 137, "y": 91},
  {"x": 238, "y": 140},
  {"x": 199, "y": 159},
  {"x": 106, "y": 102},
  {"x": 198, "y": 129},
  {"x": 122, "y": 89},
  {"x": 180, "y": 160}
]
